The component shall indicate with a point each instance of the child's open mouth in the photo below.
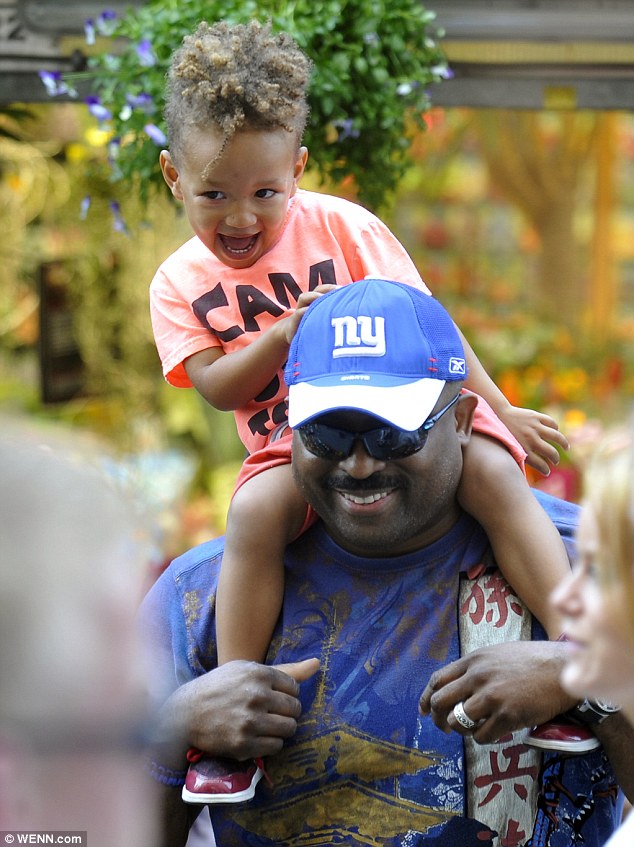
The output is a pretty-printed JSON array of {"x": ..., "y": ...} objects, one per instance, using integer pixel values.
[{"x": 239, "y": 246}]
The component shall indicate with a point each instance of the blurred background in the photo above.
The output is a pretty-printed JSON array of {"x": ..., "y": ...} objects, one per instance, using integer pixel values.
[{"x": 517, "y": 205}]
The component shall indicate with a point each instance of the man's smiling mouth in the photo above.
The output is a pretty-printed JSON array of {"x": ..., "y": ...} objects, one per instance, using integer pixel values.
[{"x": 364, "y": 501}]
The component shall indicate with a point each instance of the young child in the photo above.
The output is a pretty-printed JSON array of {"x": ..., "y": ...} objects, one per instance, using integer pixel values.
[{"x": 226, "y": 305}]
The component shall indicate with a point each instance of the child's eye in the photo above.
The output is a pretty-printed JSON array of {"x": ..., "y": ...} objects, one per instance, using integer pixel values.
[
  {"x": 214, "y": 195},
  {"x": 265, "y": 193}
]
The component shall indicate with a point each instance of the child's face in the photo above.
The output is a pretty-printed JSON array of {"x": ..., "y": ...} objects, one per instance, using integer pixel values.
[{"x": 237, "y": 207}]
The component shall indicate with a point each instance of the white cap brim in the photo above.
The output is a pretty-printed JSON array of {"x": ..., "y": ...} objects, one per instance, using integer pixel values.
[{"x": 405, "y": 406}]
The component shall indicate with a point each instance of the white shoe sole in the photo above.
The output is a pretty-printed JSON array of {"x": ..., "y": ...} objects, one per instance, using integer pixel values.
[{"x": 571, "y": 747}]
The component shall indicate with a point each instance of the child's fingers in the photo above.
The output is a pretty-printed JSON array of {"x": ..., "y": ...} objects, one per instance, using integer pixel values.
[
  {"x": 307, "y": 297},
  {"x": 537, "y": 463},
  {"x": 557, "y": 437},
  {"x": 543, "y": 456},
  {"x": 547, "y": 452},
  {"x": 550, "y": 432}
]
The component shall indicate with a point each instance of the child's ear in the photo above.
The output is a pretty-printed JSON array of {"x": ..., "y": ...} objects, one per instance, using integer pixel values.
[
  {"x": 170, "y": 174},
  {"x": 300, "y": 163}
]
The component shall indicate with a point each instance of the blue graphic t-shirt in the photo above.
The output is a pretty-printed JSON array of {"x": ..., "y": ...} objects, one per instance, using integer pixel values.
[{"x": 364, "y": 768}]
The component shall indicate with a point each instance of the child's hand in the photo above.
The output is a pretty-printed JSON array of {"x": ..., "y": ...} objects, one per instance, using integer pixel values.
[
  {"x": 292, "y": 322},
  {"x": 537, "y": 433}
]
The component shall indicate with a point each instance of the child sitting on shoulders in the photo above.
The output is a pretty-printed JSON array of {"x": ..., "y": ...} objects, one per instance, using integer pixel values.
[{"x": 225, "y": 307}]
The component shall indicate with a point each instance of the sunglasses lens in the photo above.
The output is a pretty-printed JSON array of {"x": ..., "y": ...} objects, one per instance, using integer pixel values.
[
  {"x": 326, "y": 442},
  {"x": 384, "y": 443},
  {"x": 388, "y": 443}
]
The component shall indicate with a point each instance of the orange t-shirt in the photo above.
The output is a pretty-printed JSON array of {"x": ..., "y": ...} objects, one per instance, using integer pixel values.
[{"x": 197, "y": 302}]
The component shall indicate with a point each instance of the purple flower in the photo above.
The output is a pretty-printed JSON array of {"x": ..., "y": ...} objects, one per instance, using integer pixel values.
[
  {"x": 145, "y": 53},
  {"x": 157, "y": 135},
  {"x": 118, "y": 224},
  {"x": 144, "y": 102},
  {"x": 97, "y": 109},
  {"x": 443, "y": 72},
  {"x": 89, "y": 30},
  {"x": 54, "y": 83},
  {"x": 83, "y": 208},
  {"x": 346, "y": 129},
  {"x": 106, "y": 22}
]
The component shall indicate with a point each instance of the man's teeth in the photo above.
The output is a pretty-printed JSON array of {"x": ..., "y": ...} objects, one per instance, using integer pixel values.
[{"x": 363, "y": 501}]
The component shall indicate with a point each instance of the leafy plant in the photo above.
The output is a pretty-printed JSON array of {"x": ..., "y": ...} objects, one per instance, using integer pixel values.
[{"x": 374, "y": 61}]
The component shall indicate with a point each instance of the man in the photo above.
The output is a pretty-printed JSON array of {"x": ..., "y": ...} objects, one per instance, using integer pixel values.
[{"x": 391, "y": 591}]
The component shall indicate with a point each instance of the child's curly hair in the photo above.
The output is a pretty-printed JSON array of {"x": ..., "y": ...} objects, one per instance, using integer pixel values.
[{"x": 235, "y": 77}]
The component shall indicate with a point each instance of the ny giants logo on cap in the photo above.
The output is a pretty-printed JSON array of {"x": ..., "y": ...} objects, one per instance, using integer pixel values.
[{"x": 358, "y": 336}]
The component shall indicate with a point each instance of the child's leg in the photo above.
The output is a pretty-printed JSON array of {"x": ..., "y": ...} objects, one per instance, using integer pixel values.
[
  {"x": 526, "y": 544},
  {"x": 265, "y": 514}
]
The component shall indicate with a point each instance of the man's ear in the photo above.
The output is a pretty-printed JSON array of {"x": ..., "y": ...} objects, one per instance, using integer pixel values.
[
  {"x": 465, "y": 410},
  {"x": 170, "y": 174}
]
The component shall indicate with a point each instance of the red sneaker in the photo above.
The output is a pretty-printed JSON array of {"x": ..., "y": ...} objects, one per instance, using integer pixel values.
[
  {"x": 216, "y": 780},
  {"x": 563, "y": 735}
]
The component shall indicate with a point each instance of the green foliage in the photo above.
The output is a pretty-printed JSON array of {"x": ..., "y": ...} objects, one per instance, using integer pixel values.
[{"x": 374, "y": 61}]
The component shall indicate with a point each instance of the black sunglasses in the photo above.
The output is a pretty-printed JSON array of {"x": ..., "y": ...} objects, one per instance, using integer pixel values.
[{"x": 385, "y": 443}]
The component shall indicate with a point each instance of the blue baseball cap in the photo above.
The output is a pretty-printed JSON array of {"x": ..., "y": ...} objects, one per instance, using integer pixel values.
[{"x": 375, "y": 346}]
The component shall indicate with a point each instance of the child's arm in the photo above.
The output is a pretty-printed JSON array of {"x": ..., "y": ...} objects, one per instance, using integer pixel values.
[
  {"x": 266, "y": 513},
  {"x": 527, "y": 546},
  {"x": 231, "y": 381},
  {"x": 534, "y": 430}
]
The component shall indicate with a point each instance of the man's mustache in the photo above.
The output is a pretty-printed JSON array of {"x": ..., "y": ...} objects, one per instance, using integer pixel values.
[{"x": 376, "y": 482}]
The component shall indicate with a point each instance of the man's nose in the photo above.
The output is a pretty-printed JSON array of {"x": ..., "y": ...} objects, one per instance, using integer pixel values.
[
  {"x": 240, "y": 215},
  {"x": 360, "y": 464}
]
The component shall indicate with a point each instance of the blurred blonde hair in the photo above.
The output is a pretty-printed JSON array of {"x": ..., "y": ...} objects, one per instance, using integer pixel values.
[{"x": 609, "y": 492}]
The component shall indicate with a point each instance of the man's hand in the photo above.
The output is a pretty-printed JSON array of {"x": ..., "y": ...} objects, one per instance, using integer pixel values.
[
  {"x": 537, "y": 433},
  {"x": 240, "y": 710},
  {"x": 504, "y": 687}
]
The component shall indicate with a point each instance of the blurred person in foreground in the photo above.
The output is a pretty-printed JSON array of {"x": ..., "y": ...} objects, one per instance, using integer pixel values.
[
  {"x": 597, "y": 600},
  {"x": 72, "y": 701}
]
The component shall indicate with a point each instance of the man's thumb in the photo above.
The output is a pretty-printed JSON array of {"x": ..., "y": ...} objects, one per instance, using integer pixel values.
[{"x": 300, "y": 670}]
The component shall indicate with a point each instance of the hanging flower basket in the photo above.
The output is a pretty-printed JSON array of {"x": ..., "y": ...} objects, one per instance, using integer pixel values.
[{"x": 374, "y": 63}]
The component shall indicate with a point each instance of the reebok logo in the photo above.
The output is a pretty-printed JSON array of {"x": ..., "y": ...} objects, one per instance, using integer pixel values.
[
  {"x": 358, "y": 336},
  {"x": 457, "y": 366}
]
